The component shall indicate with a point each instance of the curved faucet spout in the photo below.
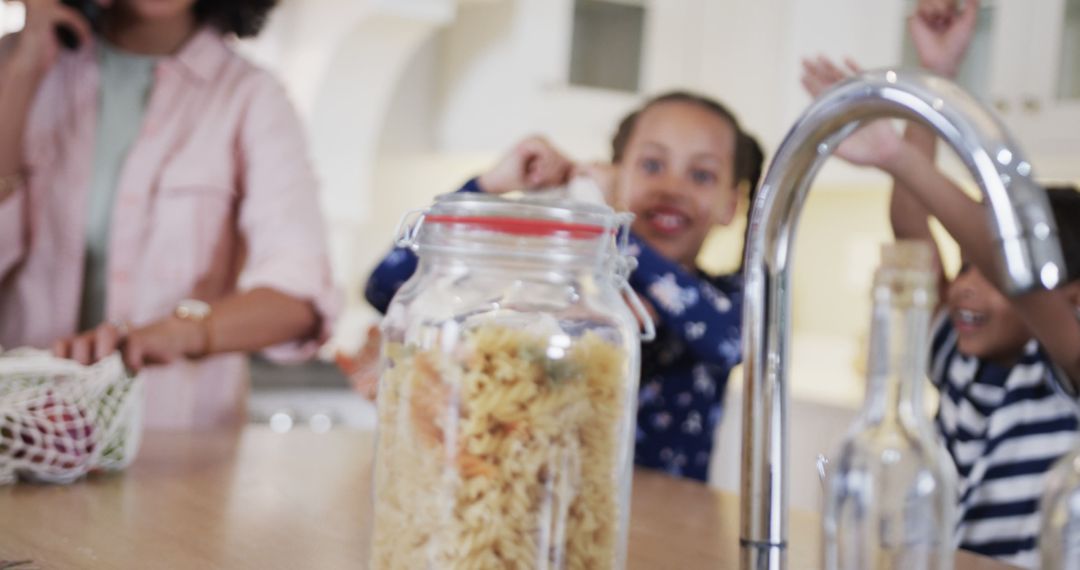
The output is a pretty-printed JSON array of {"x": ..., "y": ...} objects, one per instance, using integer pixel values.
[{"x": 1025, "y": 237}]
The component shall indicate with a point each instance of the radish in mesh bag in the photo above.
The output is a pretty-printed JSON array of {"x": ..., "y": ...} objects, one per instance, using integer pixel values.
[{"x": 60, "y": 420}]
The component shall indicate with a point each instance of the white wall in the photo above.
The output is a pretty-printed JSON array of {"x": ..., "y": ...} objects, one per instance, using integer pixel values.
[
  {"x": 401, "y": 110},
  {"x": 12, "y": 18},
  {"x": 407, "y": 122},
  {"x": 504, "y": 77},
  {"x": 394, "y": 92},
  {"x": 406, "y": 109},
  {"x": 744, "y": 47},
  {"x": 349, "y": 65},
  {"x": 497, "y": 72}
]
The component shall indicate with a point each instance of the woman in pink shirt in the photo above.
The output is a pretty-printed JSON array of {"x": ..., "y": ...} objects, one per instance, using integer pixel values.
[{"x": 156, "y": 198}]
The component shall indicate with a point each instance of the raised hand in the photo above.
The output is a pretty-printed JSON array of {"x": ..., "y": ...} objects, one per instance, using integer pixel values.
[
  {"x": 873, "y": 144},
  {"x": 532, "y": 164},
  {"x": 162, "y": 342},
  {"x": 942, "y": 33},
  {"x": 821, "y": 74}
]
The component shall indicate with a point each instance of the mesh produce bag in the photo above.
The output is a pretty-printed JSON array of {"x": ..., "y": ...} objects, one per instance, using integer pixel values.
[{"x": 60, "y": 420}]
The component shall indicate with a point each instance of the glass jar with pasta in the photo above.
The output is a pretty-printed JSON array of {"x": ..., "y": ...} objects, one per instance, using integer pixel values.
[{"x": 507, "y": 396}]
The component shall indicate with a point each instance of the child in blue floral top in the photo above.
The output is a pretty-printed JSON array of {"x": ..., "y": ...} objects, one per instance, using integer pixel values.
[{"x": 679, "y": 164}]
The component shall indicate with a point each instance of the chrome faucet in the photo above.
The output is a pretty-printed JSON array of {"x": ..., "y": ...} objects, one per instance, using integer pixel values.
[{"x": 1025, "y": 236}]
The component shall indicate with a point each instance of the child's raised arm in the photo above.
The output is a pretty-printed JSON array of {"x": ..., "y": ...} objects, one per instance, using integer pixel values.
[
  {"x": 910, "y": 220},
  {"x": 942, "y": 33},
  {"x": 1048, "y": 314}
]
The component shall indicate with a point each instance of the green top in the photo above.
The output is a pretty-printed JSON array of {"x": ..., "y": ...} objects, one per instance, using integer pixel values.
[{"x": 125, "y": 84}]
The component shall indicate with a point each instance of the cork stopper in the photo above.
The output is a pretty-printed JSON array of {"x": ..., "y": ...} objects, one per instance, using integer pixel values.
[
  {"x": 910, "y": 255},
  {"x": 907, "y": 274}
]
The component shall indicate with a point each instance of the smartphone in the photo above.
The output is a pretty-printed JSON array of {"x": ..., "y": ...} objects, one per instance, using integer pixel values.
[{"x": 90, "y": 9}]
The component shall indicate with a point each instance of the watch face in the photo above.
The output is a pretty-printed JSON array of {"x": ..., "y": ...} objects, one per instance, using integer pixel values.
[{"x": 193, "y": 309}]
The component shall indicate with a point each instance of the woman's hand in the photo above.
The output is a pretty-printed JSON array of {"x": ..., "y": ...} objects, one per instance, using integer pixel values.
[
  {"x": 533, "y": 163},
  {"x": 36, "y": 46},
  {"x": 162, "y": 342},
  {"x": 875, "y": 144},
  {"x": 942, "y": 33}
]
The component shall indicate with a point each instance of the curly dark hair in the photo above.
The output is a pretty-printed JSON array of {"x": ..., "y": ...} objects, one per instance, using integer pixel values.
[
  {"x": 749, "y": 157},
  {"x": 1065, "y": 203},
  {"x": 245, "y": 18}
]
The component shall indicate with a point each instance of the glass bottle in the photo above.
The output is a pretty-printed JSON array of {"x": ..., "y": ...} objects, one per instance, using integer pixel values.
[
  {"x": 507, "y": 398},
  {"x": 891, "y": 495},
  {"x": 1059, "y": 539}
]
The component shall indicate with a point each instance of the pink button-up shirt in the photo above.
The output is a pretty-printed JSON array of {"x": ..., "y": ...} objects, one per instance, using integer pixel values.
[{"x": 217, "y": 196}]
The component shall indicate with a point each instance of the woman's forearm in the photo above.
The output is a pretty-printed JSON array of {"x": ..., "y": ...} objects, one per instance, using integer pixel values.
[{"x": 254, "y": 320}]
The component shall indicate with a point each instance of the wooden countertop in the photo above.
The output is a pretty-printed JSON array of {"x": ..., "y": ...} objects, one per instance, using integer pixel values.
[{"x": 261, "y": 500}]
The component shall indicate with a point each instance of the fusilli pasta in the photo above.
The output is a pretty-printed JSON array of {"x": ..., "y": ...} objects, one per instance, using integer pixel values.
[{"x": 499, "y": 456}]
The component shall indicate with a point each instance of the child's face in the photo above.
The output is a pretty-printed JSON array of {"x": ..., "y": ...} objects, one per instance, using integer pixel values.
[
  {"x": 987, "y": 326},
  {"x": 676, "y": 176}
]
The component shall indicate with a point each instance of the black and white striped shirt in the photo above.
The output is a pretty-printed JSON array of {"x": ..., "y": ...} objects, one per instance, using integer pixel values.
[{"x": 1004, "y": 427}]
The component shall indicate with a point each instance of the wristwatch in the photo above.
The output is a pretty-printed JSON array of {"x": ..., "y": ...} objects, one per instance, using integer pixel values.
[{"x": 198, "y": 312}]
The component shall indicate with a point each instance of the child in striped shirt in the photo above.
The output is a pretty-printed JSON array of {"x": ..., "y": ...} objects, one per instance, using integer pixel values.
[
  {"x": 1008, "y": 411},
  {"x": 1007, "y": 369}
]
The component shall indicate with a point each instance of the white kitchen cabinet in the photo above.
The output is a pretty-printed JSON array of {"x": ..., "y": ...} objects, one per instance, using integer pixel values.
[
  {"x": 1025, "y": 62},
  {"x": 1044, "y": 103}
]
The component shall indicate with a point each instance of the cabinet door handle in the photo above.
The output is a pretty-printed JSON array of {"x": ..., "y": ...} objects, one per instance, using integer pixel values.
[
  {"x": 1032, "y": 105},
  {"x": 1002, "y": 105}
]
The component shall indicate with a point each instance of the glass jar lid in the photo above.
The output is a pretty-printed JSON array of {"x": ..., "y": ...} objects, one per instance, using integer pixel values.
[
  {"x": 526, "y": 226},
  {"x": 544, "y": 227}
]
